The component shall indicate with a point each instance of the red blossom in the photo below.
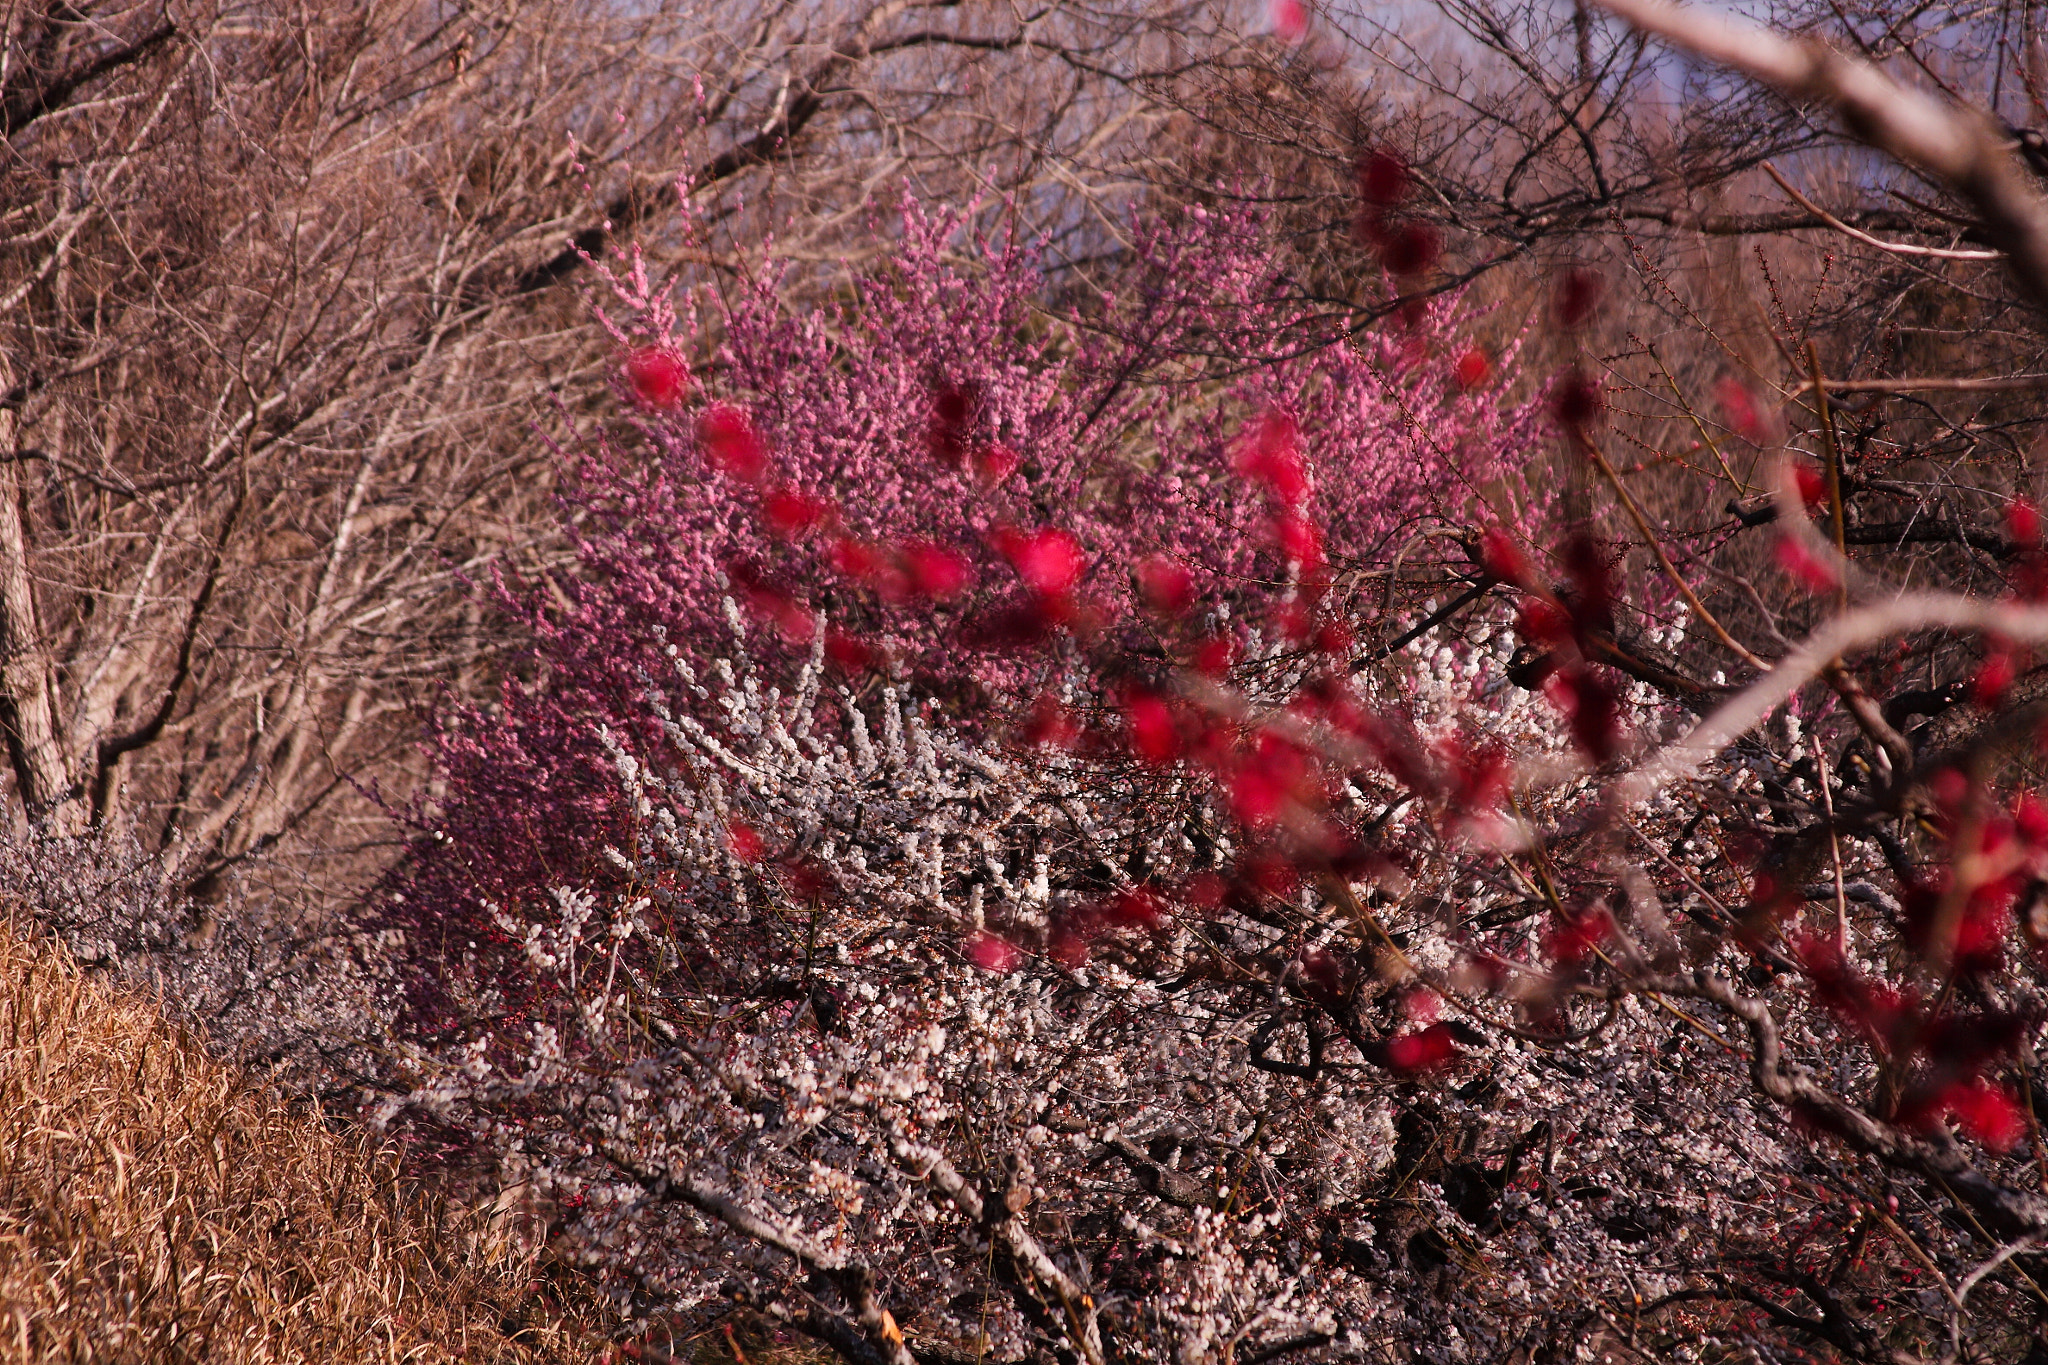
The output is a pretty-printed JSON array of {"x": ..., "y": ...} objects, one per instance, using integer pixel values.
[
  {"x": 790, "y": 512},
  {"x": 2023, "y": 523},
  {"x": 1269, "y": 873},
  {"x": 848, "y": 652},
  {"x": 1577, "y": 401},
  {"x": 1421, "y": 1052},
  {"x": 1987, "y": 1113},
  {"x": 1271, "y": 457},
  {"x": 1739, "y": 405},
  {"x": 1578, "y": 297},
  {"x": 658, "y": 377},
  {"x": 1049, "y": 560},
  {"x": 1165, "y": 585},
  {"x": 1267, "y": 778},
  {"x": 807, "y": 879},
  {"x": 1149, "y": 727},
  {"x": 1542, "y": 620},
  {"x": 1215, "y": 655},
  {"x": 1289, "y": 19},
  {"x": 1333, "y": 638},
  {"x": 1137, "y": 908},
  {"x": 1203, "y": 891},
  {"x": 1050, "y": 725},
  {"x": 990, "y": 953},
  {"x": 1410, "y": 249},
  {"x": 1994, "y": 678},
  {"x": 1591, "y": 709},
  {"x": 953, "y": 408},
  {"x": 2030, "y": 820},
  {"x": 1502, "y": 559},
  {"x": 993, "y": 464},
  {"x": 1472, "y": 368},
  {"x": 731, "y": 444},
  {"x": 1574, "y": 936},
  {"x": 1806, "y": 568},
  {"x": 1383, "y": 178},
  {"x": 1301, "y": 542},
  {"x": 743, "y": 840},
  {"x": 1813, "y": 485},
  {"x": 934, "y": 571},
  {"x": 1068, "y": 945}
]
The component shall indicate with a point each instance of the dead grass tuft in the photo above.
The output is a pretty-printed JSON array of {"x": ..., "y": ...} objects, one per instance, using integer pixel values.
[{"x": 155, "y": 1206}]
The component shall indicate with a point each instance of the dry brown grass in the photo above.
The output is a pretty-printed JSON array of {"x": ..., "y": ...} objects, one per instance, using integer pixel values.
[{"x": 155, "y": 1206}]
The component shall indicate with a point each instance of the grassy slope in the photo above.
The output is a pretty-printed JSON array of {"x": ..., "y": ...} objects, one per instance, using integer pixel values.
[{"x": 155, "y": 1206}]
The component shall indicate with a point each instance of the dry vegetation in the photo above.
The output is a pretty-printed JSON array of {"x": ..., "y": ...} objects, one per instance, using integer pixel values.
[{"x": 158, "y": 1206}]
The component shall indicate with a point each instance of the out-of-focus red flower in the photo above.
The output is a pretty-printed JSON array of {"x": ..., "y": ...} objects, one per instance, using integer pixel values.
[
  {"x": 934, "y": 571},
  {"x": 848, "y": 652},
  {"x": 2023, "y": 522},
  {"x": 807, "y": 879},
  {"x": 1994, "y": 678},
  {"x": 1050, "y": 725},
  {"x": 990, "y": 953},
  {"x": 1150, "y": 728},
  {"x": 731, "y": 444},
  {"x": 953, "y": 407},
  {"x": 744, "y": 841},
  {"x": 1426, "y": 1050},
  {"x": 1289, "y": 19},
  {"x": 1215, "y": 655},
  {"x": 1742, "y": 410},
  {"x": 1300, "y": 540},
  {"x": 1578, "y": 401},
  {"x": 1383, "y": 178},
  {"x": 1049, "y": 560},
  {"x": 1813, "y": 485},
  {"x": 1806, "y": 568},
  {"x": 1987, "y": 1113},
  {"x": 1271, "y": 457},
  {"x": 1068, "y": 946},
  {"x": 1165, "y": 585},
  {"x": 1137, "y": 908},
  {"x": 1203, "y": 891},
  {"x": 1333, "y": 638},
  {"x": 658, "y": 377},
  {"x": 1578, "y": 297},
  {"x": 993, "y": 464},
  {"x": 1410, "y": 249},
  {"x": 790, "y": 512},
  {"x": 1502, "y": 559},
  {"x": 1472, "y": 368},
  {"x": 1540, "y": 619}
]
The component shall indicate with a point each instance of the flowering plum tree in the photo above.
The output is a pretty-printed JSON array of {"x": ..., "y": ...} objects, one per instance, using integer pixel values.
[
  {"x": 998, "y": 866},
  {"x": 995, "y": 504}
]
